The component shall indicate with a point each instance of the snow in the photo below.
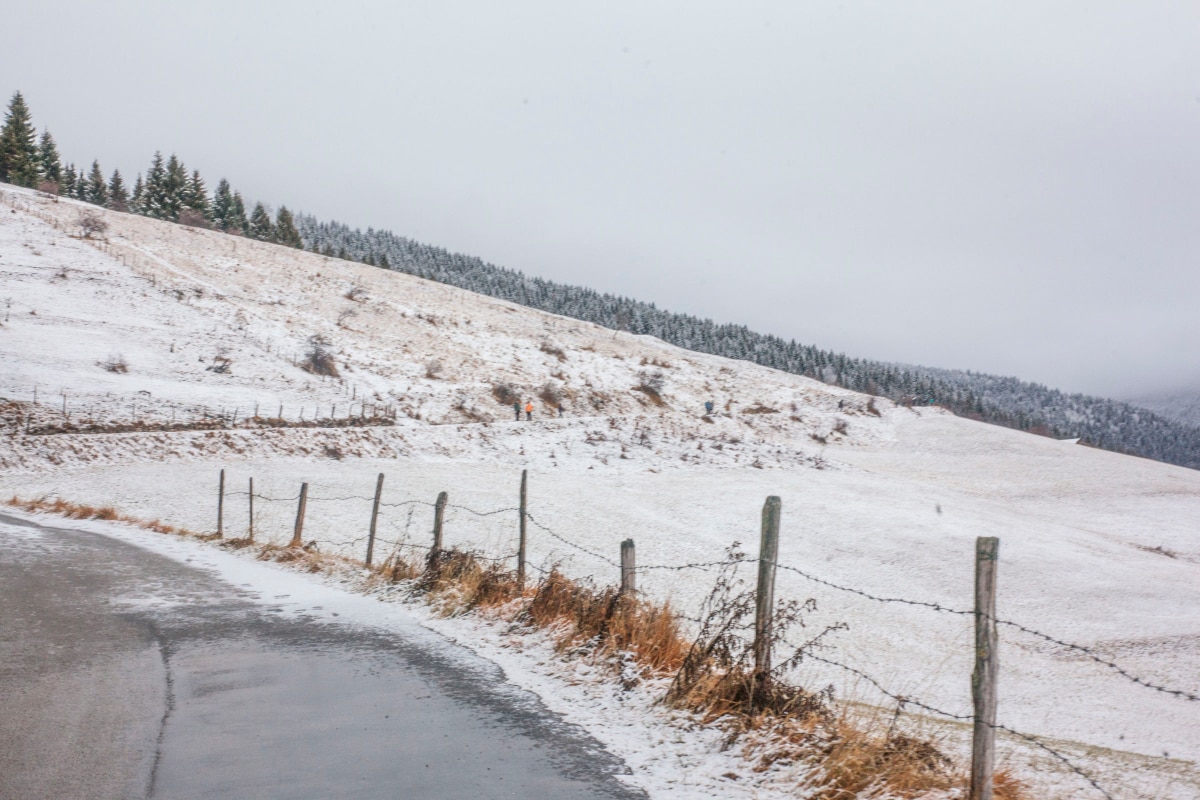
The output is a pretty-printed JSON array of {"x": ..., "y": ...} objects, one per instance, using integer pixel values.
[{"x": 1096, "y": 548}]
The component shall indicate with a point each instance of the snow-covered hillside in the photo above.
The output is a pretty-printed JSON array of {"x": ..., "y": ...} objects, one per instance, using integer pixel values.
[{"x": 1097, "y": 549}]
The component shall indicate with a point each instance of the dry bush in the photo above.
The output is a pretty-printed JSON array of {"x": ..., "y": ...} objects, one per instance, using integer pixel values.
[
  {"x": 550, "y": 394},
  {"x": 433, "y": 368},
  {"x": 193, "y": 219},
  {"x": 759, "y": 408},
  {"x": 318, "y": 359},
  {"x": 459, "y": 580},
  {"x": 717, "y": 678},
  {"x": 554, "y": 350},
  {"x": 90, "y": 222},
  {"x": 841, "y": 427},
  {"x": 505, "y": 393},
  {"x": 48, "y": 189},
  {"x": 871, "y": 408},
  {"x": 355, "y": 293},
  {"x": 651, "y": 384},
  {"x": 607, "y": 622},
  {"x": 116, "y": 363}
]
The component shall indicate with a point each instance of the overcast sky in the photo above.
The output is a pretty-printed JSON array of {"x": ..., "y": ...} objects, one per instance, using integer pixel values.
[{"x": 1011, "y": 188}]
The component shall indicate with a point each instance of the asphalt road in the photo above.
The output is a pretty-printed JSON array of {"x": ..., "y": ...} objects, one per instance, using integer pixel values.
[{"x": 125, "y": 674}]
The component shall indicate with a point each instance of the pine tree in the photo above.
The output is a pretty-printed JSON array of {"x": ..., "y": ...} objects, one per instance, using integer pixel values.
[
  {"x": 383, "y": 261},
  {"x": 80, "y": 192},
  {"x": 118, "y": 197},
  {"x": 196, "y": 196},
  {"x": 222, "y": 205},
  {"x": 260, "y": 224},
  {"x": 97, "y": 189},
  {"x": 139, "y": 194},
  {"x": 238, "y": 222},
  {"x": 51, "y": 164},
  {"x": 285, "y": 229},
  {"x": 175, "y": 186},
  {"x": 19, "y": 162},
  {"x": 151, "y": 201},
  {"x": 66, "y": 185}
]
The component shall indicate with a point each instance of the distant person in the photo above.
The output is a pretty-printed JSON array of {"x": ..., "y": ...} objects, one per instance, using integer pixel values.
[
  {"x": 517, "y": 409},
  {"x": 560, "y": 410},
  {"x": 529, "y": 411},
  {"x": 708, "y": 407}
]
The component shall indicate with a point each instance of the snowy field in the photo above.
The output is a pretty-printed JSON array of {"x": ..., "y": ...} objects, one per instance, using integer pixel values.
[{"x": 1097, "y": 549}]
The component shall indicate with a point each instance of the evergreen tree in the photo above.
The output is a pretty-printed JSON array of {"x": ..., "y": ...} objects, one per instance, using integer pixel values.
[
  {"x": 383, "y": 261},
  {"x": 152, "y": 200},
  {"x": 97, "y": 189},
  {"x": 51, "y": 165},
  {"x": 222, "y": 205},
  {"x": 260, "y": 224},
  {"x": 118, "y": 197},
  {"x": 139, "y": 193},
  {"x": 175, "y": 187},
  {"x": 196, "y": 196},
  {"x": 19, "y": 161},
  {"x": 80, "y": 192},
  {"x": 238, "y": 222},
  {"x": 285, "y": 229},
  {"x": 66, "y": 185}
]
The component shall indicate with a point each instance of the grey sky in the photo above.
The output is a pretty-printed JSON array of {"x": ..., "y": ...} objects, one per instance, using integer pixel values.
[{"x": 1012, "y": 188}]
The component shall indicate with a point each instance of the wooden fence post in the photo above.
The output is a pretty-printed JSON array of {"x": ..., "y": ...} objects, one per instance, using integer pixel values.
[
  {"x": 439, "y": 510},
  {"x": 987, "y": 668},
  {"x": 764, "y": 610},
  {"x": 628, "y": 568},
  {"x": 298, "y": 531},
  {"x": 221, "y": 506},
  {"x": 374, "y": 517},
  {"x": 250, "y": 536},
  {"x": 521, "y": 540}
]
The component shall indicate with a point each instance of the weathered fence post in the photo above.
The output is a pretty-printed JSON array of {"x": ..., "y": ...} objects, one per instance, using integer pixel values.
[
  {"x": 221, "y": 506},
  {"x": 439, "y": 510},
  {"x": 628, "y": 568},
  {"x": 250, "y": 534},
  {"x": 987, "y": 668},
  {"x": 298, "y": 531},
  {"x": 521, "y": 539},
  {"x": 768, "y": 550},
  {"x": 374, "y": 517}
]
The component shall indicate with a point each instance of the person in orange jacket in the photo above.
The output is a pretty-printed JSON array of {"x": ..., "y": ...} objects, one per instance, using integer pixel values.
[{"x": 529, "y": 411}]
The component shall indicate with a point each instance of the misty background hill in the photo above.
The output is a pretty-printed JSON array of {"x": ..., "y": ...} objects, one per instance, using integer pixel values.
[{"x": 1110, "y": 424}]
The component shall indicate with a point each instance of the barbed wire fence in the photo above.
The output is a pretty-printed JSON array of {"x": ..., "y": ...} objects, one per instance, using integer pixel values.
[{"x": 408, "y": 520}]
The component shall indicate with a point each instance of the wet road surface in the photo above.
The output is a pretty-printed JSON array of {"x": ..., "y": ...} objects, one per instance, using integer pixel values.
[{"x": 126, "y": 674}]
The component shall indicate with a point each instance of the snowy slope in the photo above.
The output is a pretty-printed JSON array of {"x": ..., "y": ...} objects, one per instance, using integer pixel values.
[{"x": 1098, "y": 549}]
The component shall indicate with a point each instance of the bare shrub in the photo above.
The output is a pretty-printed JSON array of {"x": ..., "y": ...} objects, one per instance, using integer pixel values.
[
  {"x": 651, "y": 384},
  {"x": 355, "y": 293},
  {"x": 871, "y": 408},
  {"x": 116, "y": 363},
  {"x": 48, "y": 189},
  {"x": 505, "y": 393},
  {"x": 841, "y": 427},
  {"x": 550, "y": 394},
  {"x": 717, "y": 676},
  {"x": 433, "y": 368},
  {"x": 554, "y": 350},
  {"x": 193, "y": 219},
  {"x": 318, "y": 359},
  {"x": 91, "y": 223},
  {"x": 345, "y": 316}
]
